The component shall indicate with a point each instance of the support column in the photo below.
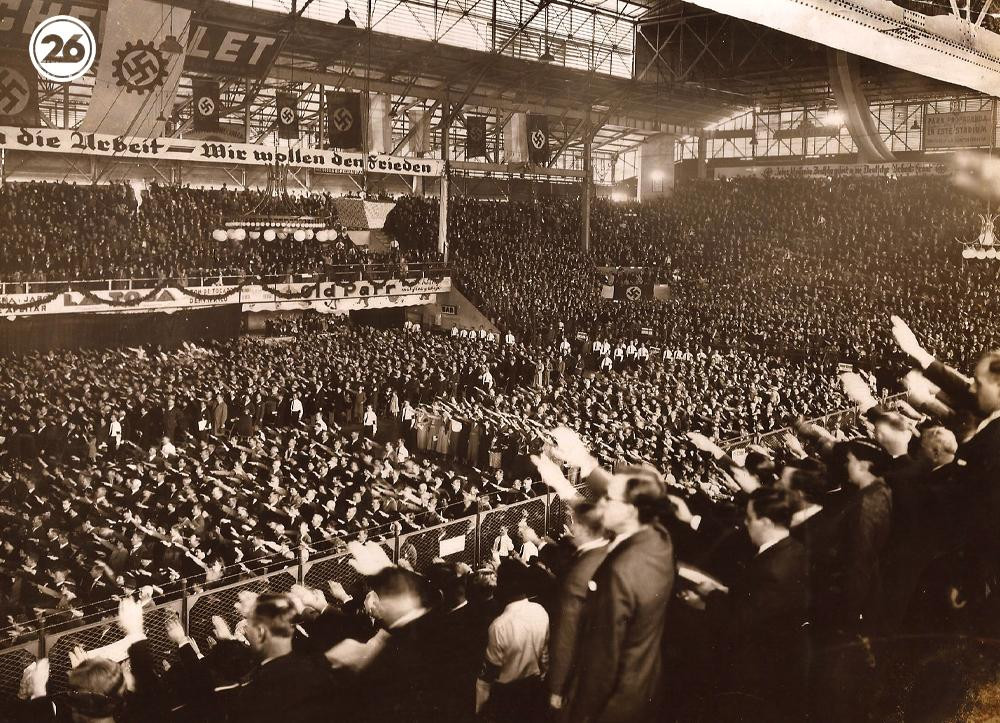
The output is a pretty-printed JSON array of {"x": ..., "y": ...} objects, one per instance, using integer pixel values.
[
  {"x": 445, "y": 156},
  {"x": 587, "y": 189},
  {"x": 702, "y": 157}
]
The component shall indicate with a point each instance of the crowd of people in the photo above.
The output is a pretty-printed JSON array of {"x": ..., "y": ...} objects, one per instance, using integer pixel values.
[
  {"x": 341, "y": 428},
  {"x": 771, "y": 266},
  {"x": 68, "y": 232},
  {"x": 778, "y": 568},
  {"x": 779, "y": 605}
]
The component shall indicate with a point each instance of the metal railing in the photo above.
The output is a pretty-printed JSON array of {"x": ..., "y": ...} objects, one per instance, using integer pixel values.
[
  {"x": 841, "y": 419},
  {"x": 230, "y": 277},
  {"x": 196, "y": 604}
]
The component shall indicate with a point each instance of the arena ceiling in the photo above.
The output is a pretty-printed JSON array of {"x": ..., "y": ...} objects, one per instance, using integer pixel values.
[{"x": 624, "y": 69}]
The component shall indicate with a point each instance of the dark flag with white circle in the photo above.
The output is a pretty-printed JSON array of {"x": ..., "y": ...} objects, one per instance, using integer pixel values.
[
  {"x": 206, "y": 105},
  {"x": 343, "y": 120},
  {"x": 629, "y": 290},
  {"x": 538, "y": 138},
  {"x": 18, "y": 93},
  {"x": 475, "y": 136},
  {"x": 288, "y": 116}
]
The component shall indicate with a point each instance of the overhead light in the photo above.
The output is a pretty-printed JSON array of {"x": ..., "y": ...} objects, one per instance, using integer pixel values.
[
  {"x": 546, "y": 57},
  {"x": 171, "y": 45}
]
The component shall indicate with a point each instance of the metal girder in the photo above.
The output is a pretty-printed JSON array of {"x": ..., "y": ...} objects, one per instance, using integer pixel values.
[{"x": 629, "y": 119}]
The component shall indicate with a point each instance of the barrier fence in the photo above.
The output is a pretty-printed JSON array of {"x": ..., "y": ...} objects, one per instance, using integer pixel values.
[
  {"x": 468, "y": 539},
  {"x": 834, "y": 421}
]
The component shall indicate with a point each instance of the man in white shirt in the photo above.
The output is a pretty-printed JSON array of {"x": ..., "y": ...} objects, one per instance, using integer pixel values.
[
  {"x": 370, "y": 422},
  {"x": 517, "y": 652}
]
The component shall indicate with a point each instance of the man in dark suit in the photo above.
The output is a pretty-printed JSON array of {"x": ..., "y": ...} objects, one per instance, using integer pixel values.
[
  {"x": 591, "y": 548},
  {"x": 759, "y": 621},
  {"x": 407, "y": 680},
  {"x": 617, "y": 675},
  {"x": 462, "y": 640},
  {"x": 287, "y": 686}
]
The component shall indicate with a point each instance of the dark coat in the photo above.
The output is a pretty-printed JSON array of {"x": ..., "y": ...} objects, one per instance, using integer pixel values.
[
  {"x": 760, "y": 622},
  {"x": 618, "y": 677},
  {"x": 566, "y": 621}
]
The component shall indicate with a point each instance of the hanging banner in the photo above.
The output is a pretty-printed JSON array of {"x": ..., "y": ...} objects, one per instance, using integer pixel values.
[
  {"x": 515, "y": 139},
  {"x": 255, "y": 294},
  {"x": 538, "y": 138},
  {"x": 55, "y": 140},
  {"x": 142, "y": 55},
  {"x": 344, "y": 123},
  {"x": 211, "y": 48},
  {"x": 420, "y": 120},
  {"x": 972, "y": 129},
  {"x": 205, "y": 102},
  {"x": 224, "y": 51},
  {"x": 287, "y": 111},
  {"x": 475, "y": 136},
  {"x": 18, "y": 91},
  {"x": 379, "y": 124}
]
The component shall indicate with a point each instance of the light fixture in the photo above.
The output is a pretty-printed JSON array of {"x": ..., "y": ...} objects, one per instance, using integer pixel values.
[
  {"x": 546, "y": 57},
  {"x": 915, "y": 126},
  {"x": 171, "y": 45}
]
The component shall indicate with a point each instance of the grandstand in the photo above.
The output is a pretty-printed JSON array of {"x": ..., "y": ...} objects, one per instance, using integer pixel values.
[{"x": 576, "y": 360}]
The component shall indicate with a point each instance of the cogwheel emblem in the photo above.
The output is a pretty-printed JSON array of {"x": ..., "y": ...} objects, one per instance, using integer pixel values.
[{"x": 139, "y": 67}]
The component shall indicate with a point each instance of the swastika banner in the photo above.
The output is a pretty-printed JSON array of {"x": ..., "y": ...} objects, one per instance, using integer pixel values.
[
  {"x": 138, "y": 72},
  {"x": 205, "y": 105},
  {"x": 538, "y": 138},
  {"x": 344, "y": 121},
  {"x": 18, "y": 91},
  {"x": 287, "y": 116}
]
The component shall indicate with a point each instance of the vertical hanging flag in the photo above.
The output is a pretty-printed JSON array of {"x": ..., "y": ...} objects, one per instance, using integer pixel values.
[
  {"x": 379, "y": 124},
  {"x": 18, "y": 92},
  {"x": 475, "y": 136},
  {"x": 205, "y": 102},
  {"x": 538, "y": 138},
  {"x": 515, "y": 139},
  {"x": 420, "y": 123},
  {"x": 142, "y": 55},
  {"x": 344, "y": 124},
  {"x": 288, "y": 115}
]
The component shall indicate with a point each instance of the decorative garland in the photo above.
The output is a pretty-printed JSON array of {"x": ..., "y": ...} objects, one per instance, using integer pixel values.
[
  {"x": 95, "y": 299},
  {"x": 304, "y": 293}
]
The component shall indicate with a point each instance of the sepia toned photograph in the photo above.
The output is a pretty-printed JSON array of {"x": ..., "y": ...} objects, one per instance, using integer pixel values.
[{"x": 495, "y": 361}]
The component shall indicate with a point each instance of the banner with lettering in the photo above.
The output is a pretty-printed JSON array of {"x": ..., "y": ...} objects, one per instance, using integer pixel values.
[
  {"x": 54, "y": 140},
  {"x": 141, "y": 59},
  {"x": 213, "y": 48},
  {"x": 972, "y": 129},
  {"x": 253, "y": 295}
]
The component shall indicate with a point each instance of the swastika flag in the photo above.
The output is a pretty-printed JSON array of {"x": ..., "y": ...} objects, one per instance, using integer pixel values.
[
  {"x": 288, "y": 116},
  {"x": 538, "y": 138},
  {"x": 344, "y": 123},
  {"x": 205, "y": 102},
  {"x": 18, "y": 93}
]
